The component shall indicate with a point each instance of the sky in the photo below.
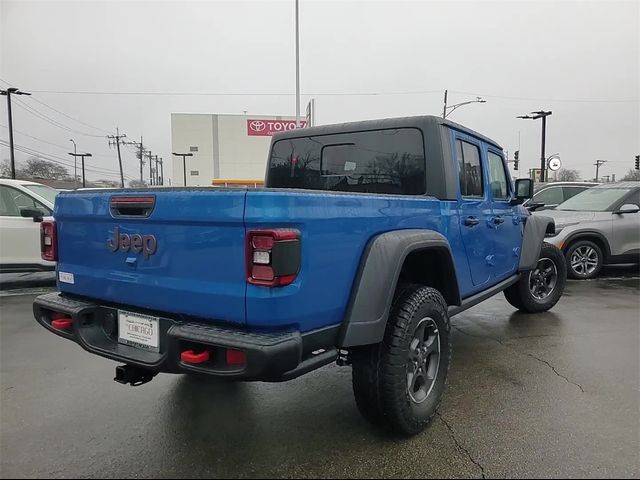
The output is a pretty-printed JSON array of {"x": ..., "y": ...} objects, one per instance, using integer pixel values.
[{"x": 137, "y": 62}]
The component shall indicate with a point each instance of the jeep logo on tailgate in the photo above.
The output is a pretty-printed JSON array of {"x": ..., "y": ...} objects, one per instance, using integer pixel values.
[{"x": 137, "y": 243}]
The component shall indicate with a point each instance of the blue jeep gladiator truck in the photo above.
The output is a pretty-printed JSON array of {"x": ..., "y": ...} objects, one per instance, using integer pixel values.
[{"x": 368, "y": 237}]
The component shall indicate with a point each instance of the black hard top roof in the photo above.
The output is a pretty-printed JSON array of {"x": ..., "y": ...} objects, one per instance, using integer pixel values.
[{"x": 386, "y": 123}]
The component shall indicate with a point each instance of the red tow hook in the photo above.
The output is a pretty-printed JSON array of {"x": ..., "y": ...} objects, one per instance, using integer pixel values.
[
  {"x": 61, "y": 321},
  {"x": 189, "y": 356}
]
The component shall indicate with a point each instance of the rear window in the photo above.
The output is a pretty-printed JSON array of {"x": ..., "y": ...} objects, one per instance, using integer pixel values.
[{"x": 379, "y": 161}]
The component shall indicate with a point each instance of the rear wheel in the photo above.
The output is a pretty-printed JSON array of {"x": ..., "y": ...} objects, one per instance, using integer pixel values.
[
  {"x": 399, "y": 383},
  {"x": 538, "y": 290},
  {"x": 584, "y": 260}
]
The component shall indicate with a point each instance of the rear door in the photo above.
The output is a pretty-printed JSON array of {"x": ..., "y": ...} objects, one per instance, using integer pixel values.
[
  {"x": 19, "y": 236},
  {"x": 475, "y": 208},
  {"x": 505, "y": 222},
  {"x": 626, "y": 229},
  {"x": 185, "y": 254}
]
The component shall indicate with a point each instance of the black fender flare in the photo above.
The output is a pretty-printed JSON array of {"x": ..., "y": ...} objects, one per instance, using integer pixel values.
[
  {"x": 535, "y": 229},
  {"x": 375, "y": 283}
]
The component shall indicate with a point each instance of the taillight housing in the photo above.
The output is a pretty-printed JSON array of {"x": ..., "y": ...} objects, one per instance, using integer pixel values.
[
  {"x": 273, "y": 257},
  {"x": 48, "y": 241}
]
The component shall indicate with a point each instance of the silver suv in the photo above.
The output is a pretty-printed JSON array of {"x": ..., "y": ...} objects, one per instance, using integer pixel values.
[{"x": 598, "y": 226}]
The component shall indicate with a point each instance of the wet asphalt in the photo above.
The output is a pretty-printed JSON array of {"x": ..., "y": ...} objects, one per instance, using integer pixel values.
[{"x": 551, "y": 395}]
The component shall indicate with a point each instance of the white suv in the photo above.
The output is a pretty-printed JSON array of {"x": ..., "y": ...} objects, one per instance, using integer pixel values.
[{"x": 23, "y": 205}]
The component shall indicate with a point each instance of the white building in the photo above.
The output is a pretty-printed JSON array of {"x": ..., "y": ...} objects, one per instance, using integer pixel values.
[{"x": 225, "y": 147}]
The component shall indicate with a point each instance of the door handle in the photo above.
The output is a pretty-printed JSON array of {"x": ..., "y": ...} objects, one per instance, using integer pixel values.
[
  {"x": 471, "y": 221},
  {"x": 498, "y": 220}
]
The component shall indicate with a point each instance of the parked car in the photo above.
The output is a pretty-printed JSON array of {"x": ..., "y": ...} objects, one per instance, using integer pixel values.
[
  {"x": 369, "y": 237},
  {"x": 23, "y": 205},
  {"x": 597, "y": 227},
  {"x": 549, "y": 195}
]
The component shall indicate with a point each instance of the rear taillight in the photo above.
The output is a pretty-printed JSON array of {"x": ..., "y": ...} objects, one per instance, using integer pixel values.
[
  {"x": 48, "y": 241},
  {"x": 273, "y": 257}
]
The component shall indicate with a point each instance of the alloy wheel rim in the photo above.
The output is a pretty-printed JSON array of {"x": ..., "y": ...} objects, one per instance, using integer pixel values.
[
  {"x": 543, "y": 279},
  {"x": 424, "y": 360},
  {"x": 584, "y": 260}
]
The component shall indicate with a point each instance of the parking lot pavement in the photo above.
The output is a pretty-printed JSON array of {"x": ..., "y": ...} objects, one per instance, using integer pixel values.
[{"x": 553, "y": 395}]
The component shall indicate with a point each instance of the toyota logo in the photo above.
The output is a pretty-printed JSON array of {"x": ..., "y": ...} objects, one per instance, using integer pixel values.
[{"x": 258, "y": 126}]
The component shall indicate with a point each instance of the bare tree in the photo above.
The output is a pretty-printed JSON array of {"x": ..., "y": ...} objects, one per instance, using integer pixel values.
[
  {"x": 632, "y": 174},
  {"x": 137, "y": 184},
  {"x": 568, "y": 175},
  {"x": 39, "y": 168}
]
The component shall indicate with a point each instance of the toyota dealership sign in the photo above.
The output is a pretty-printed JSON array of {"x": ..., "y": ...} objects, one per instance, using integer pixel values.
[{"x": 266, "y": 128}]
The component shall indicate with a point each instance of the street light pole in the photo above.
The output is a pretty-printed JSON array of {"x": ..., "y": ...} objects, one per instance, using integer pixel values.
[
  {"x": 75, "y": 165},
  {"x": 184, "y": 163},
  {"x": 8, "y": 92},
  {"x": 448, "y": 110},
  {"x": 543, "y": 159},
  {"x": 297, "y": 68},
  {"x": 82, "y": 155}
]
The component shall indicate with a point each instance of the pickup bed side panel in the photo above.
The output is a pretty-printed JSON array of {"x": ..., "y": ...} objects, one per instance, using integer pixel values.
[{"x": 335, "y": 231}]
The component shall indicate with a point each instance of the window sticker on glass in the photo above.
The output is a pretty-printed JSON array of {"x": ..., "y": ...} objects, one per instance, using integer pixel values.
[{"x": 349, "y": 166}]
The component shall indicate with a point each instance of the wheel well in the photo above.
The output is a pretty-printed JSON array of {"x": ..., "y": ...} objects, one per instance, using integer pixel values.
[
  {"x": 432, "y": 267},
  {"x": 592, "y": 237}
]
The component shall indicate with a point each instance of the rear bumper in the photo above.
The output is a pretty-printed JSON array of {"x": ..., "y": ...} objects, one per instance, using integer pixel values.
[{"x": 269, "y": 356}]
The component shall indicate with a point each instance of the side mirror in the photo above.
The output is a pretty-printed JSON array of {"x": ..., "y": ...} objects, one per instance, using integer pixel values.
[
  {"x": 533, "y": 206},
  {"x": 34, "y": 213},
  {"x": 524, "y": 190},
  {"x": 627, "y": 208}
]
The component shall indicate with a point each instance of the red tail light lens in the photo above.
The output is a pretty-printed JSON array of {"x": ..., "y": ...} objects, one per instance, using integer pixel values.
[
  {"x": 48, "y": 241},
  {"x": 273, "y": 257}
]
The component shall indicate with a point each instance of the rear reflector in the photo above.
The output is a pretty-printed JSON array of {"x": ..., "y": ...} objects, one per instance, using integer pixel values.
[
  {"x": 189, "y": 356},
  {"x": 236, "y": 357},
  {"x": 48, "y": 241}
]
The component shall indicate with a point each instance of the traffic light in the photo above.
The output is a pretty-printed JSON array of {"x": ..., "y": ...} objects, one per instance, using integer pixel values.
[
  {"x": 516, "y": 155},
  {"x": 637, "y": 162}
]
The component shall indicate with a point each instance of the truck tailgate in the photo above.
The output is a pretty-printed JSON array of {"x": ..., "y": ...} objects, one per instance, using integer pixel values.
[{"x": 186, "y": 257}]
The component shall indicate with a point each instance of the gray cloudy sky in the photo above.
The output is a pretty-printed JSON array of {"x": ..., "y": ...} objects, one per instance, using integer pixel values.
[{"x": 579, "y": 59}]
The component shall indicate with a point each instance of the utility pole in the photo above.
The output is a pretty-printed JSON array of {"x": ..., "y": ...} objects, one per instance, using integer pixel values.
[
  {"x": 82, "y": 155},
  {"x": 297, "y": 67},
  {"x": 543, "y": 159},
  {"x": 598, "y": 164},
  {"x": 184, "y": 163},
  {"x": 8, "y": 92},
  {"x": 75, "y": 165},
  {"x": 140, "y": 154},
  {"x": 115, "y": 140},
  {"x": 444, "y": 110},
  {"x": 150, "y": 168},
  {"x": 161, "y": 172},
  {"x": 157, "y": 179}
]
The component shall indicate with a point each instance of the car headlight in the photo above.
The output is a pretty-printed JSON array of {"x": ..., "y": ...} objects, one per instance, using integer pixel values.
[{"x": 559, "y": 229}]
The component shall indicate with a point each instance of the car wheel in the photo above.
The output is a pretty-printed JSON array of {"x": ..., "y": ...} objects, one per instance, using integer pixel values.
[
  {"x": 399, "y": 383},
  {"x": 539, "y": 289},
  {"x": 584, "y": 260}
]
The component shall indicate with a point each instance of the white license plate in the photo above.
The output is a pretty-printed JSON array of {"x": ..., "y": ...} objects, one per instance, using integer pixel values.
[{"x": 138, "y": 330}]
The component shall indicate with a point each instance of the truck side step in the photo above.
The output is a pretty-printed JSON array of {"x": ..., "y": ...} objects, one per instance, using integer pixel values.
[{"x": 309, "y": 364}]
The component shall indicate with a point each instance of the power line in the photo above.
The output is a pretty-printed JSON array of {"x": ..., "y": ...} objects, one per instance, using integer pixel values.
[
  {"x": 61, "y": 160},
  {"x": 50, "y": 120},
  {"x": 70, "y": 117},
  {"x": 570, "y": 100},
  {"x": 328, "y": 94}
]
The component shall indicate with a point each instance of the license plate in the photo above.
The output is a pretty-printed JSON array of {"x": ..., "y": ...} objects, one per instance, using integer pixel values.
[{"x": 138, "y": 330}]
